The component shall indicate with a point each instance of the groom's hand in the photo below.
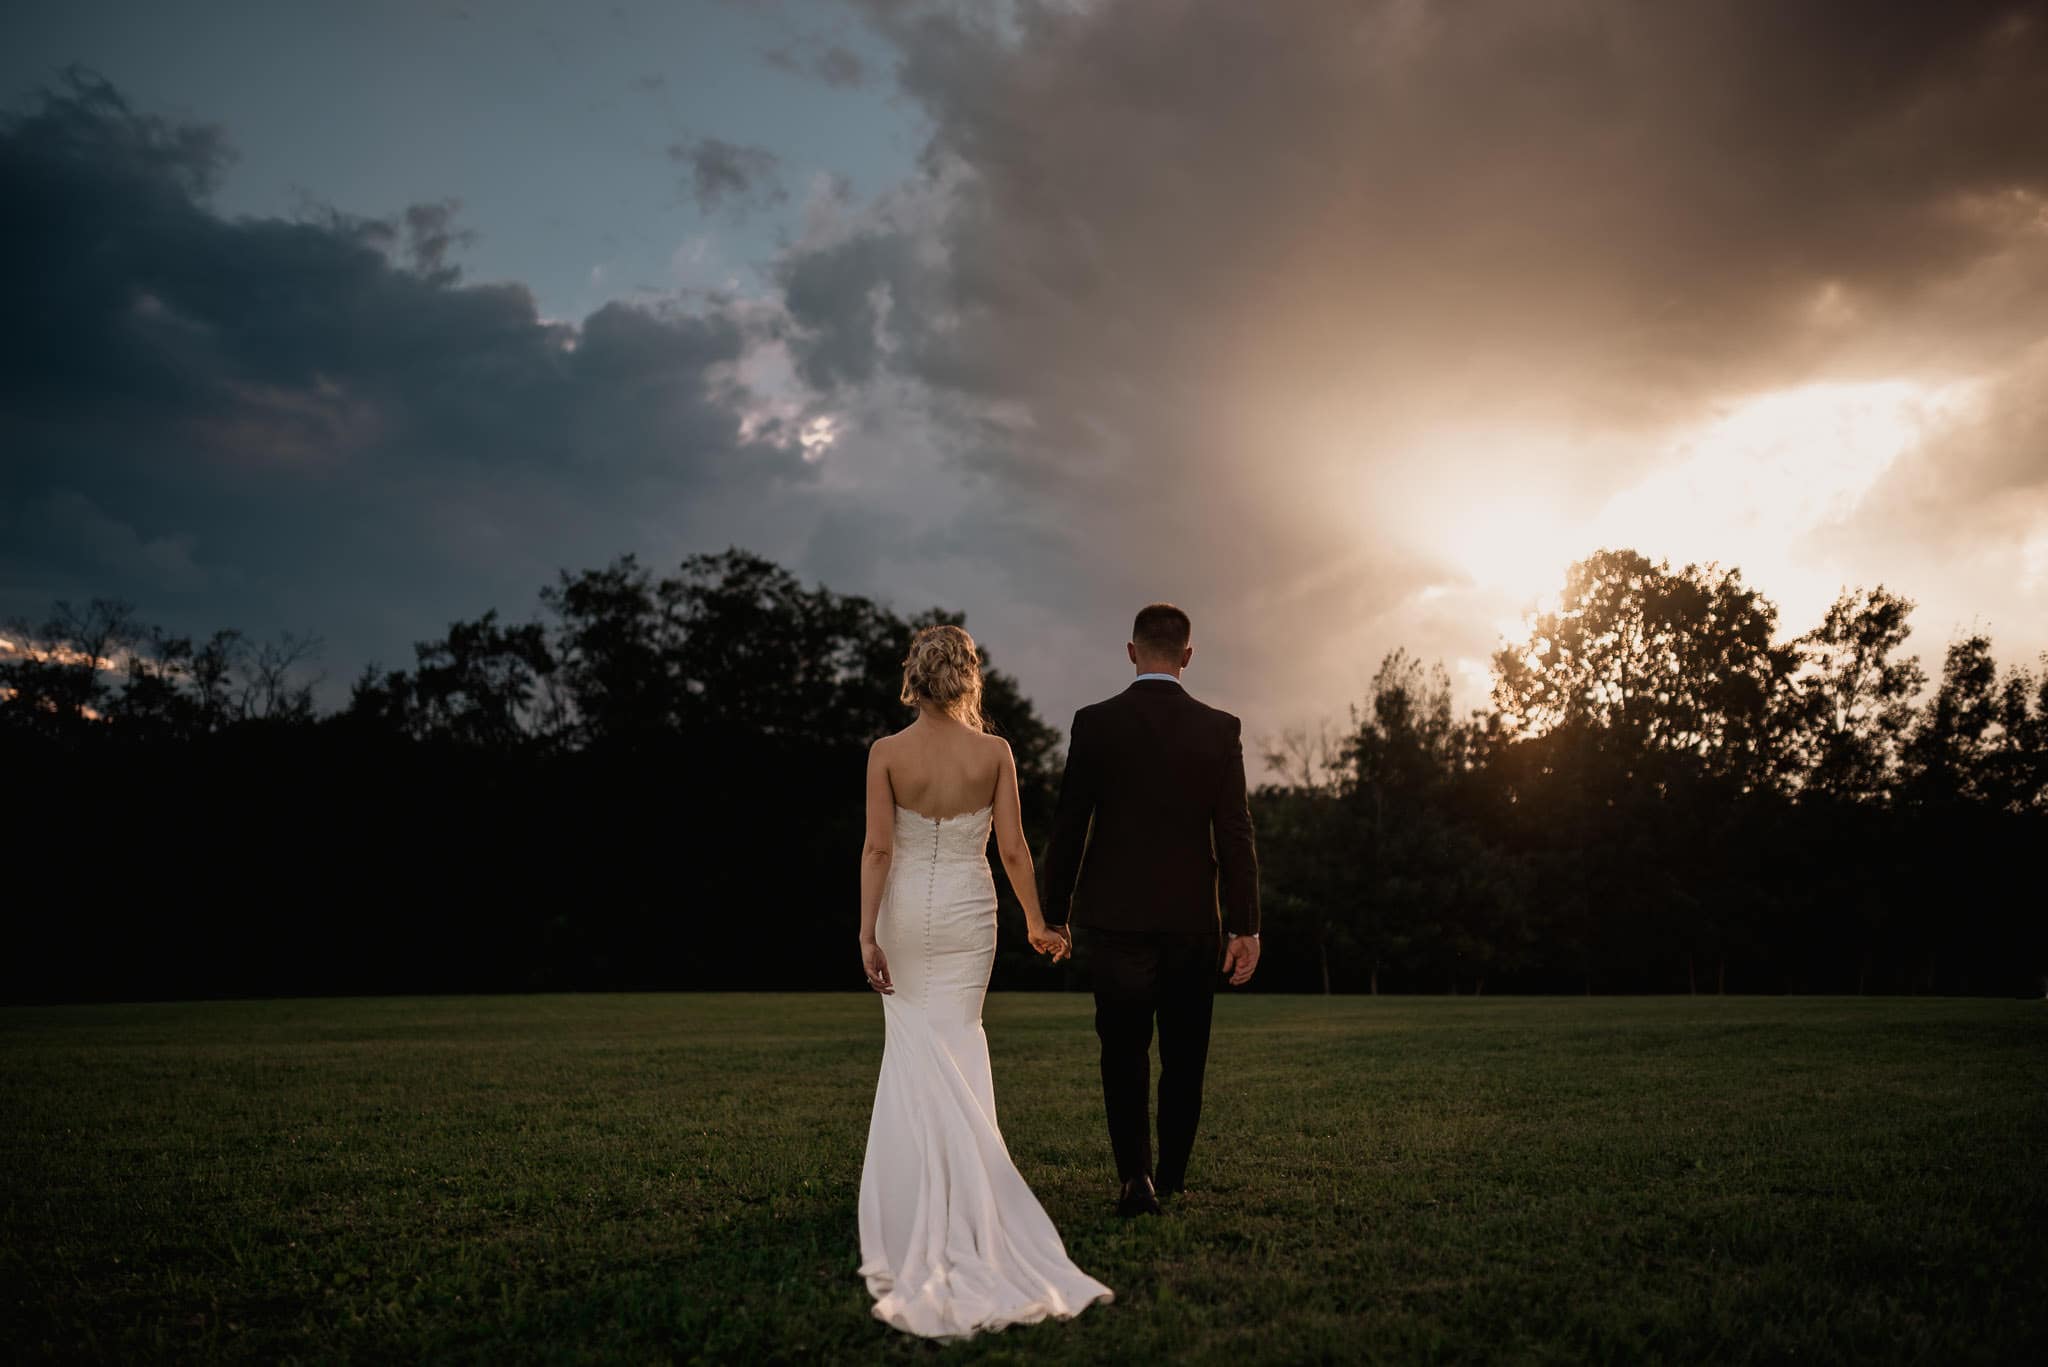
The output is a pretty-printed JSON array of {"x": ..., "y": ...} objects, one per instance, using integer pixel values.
[{"x": 1240, "y": 957}]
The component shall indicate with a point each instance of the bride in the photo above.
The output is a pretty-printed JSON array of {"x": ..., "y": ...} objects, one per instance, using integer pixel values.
[{"x": 952, "y": 1242}]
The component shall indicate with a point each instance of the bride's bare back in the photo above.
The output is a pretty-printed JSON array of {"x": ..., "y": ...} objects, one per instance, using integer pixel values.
[{"x": 941, "y": 769}]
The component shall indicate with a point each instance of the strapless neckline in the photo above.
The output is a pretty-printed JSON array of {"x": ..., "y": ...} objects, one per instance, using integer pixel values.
[{"x": 942, "y": 820}]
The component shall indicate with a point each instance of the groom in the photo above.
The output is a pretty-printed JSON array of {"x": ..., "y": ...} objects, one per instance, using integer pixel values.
[{"x": 1151, "y": 819}]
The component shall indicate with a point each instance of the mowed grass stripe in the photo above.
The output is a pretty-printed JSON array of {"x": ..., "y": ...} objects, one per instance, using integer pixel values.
[{"x": 646, "y": 1177}]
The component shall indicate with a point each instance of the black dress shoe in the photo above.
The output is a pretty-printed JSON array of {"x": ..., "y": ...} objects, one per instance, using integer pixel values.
[
  {"x": 1138, "y": 1198},
  {"x": 1171, "y": 1186}
]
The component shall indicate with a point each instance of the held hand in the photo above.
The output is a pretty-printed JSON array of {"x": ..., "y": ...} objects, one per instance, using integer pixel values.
[
  {"x": 1049, "y": 941},
  {"x": 877, "y": 965},
  {"x": 1240, "y": 959}
]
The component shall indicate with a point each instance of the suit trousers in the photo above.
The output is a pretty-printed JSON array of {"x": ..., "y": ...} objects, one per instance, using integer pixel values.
[{"x": 1139, "y": 976}]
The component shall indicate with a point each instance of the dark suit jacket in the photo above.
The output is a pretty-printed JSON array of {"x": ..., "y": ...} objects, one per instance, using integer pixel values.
[{"x": 1152, "y": 818}]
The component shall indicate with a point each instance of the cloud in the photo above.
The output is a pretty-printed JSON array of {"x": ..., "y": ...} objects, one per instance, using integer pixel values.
[
  {"x": 71, "y": 528},
  {"x": 832, "y": 63},
  {"x": 1200, "y": 289},
  {"x": 1961, "y": 520},
  {"x": 725, "y": 174},
  {"x": 840, "y": 299},
  {"x": 1340, "y": 324},
  {"x": 429, "y": 234},
  {"x": 313, "y": 423}
]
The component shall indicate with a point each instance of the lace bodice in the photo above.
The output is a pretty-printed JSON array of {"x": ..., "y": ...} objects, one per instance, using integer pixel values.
[{"x": 945, "y": 840}]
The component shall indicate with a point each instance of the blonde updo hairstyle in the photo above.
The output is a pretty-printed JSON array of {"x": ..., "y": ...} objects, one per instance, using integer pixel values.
[{"x": 944, "y": 668}]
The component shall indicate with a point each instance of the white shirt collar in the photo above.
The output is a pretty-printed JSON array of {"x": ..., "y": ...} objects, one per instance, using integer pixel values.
[{"x": 1168, "y": 677}]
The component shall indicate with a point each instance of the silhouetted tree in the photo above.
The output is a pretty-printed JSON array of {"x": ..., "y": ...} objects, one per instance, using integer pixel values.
[
  {"x": 482, "y": 684},
  {"x": 2015, "y": 771},
  {"x": 615, "y": 637},
  {"x": 1953, "y": 734},
  {"x": 52, "y": 678},
  {"x": 1311, "y": 893},
  {"x": 1853, "y": 702},
  {"x": 156, "y": 703},
  {"x": 1668, "y": 666}
]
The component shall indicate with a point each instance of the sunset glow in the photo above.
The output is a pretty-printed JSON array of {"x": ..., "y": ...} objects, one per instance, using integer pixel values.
[
  {"x": 1746, "y": 489},
  {"x": 1749, "y": 488},
  {"x": 63, "y": 654}
]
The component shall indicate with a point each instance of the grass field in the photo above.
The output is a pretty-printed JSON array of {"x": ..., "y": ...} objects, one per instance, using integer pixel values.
[{"x": 652, "y": 1177}]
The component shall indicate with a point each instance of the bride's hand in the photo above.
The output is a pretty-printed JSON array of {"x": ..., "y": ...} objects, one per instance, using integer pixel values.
[
  {"x": 1048, "y": 941},
  {"x": 877, "y": 965}
]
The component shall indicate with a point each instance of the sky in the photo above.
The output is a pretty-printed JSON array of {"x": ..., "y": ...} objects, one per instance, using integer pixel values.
[{"x": 1345, "y": 326}]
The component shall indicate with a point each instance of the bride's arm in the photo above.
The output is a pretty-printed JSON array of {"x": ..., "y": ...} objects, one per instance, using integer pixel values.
[
  {"x": 1015, "y": 851},
  {"x": 876, "y": 851}
]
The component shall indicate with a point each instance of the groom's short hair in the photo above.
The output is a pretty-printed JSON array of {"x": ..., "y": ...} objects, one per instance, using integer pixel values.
[{"x": 1161, "y": 629}]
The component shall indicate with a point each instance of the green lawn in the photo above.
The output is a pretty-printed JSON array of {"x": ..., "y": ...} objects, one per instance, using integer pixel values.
[{"x": 646, "y": 1177}]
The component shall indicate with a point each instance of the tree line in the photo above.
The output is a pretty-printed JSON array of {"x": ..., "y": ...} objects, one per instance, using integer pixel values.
[
  {"x": 656, "y": 783},
  {"x": 1661, "y": 797}
]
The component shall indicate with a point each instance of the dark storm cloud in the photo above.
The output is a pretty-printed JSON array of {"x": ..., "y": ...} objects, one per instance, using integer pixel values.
[
  {"x": 259, "y": 421},
  {"x": 725, "y": 174},
  {"x": 1203, "y": 273},
  {"x": 1489, "y": 176},
  {"x": 429, "y": 234},
  {"x": 842, "y": 304}
]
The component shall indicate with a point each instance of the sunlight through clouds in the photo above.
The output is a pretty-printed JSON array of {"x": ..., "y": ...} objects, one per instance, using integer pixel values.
[
  {"x": 1746, "y": 489},
  {"x": 817, "y": 436},
  {"x": 1750, "y": 487}
]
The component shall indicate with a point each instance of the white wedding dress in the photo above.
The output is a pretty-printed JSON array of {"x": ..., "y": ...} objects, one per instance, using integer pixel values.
[{"x": 952, "y": 1242}]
